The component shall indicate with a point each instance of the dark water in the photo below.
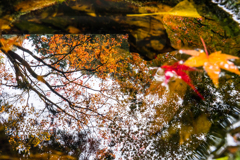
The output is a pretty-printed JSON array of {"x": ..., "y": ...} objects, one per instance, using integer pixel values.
[{"x": 182, "y": 126}]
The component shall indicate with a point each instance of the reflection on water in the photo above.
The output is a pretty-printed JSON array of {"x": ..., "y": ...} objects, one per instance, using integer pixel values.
[
  {"x": 147, "y": 119},
  {"x": 231, "y": 6}
]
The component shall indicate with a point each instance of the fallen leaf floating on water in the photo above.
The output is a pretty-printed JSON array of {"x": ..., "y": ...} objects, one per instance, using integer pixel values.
[
  {"x": 212, "y": 63},
  {"x": 185, "y": 9},
  {"x": 180, "y": 71}
]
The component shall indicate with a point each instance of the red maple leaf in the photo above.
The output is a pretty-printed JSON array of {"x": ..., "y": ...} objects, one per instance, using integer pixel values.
[{"x": 180, "y": 71}]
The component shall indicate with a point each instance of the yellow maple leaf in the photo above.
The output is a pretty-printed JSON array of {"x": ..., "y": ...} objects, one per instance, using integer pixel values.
[{"x": 213, "y": 63}]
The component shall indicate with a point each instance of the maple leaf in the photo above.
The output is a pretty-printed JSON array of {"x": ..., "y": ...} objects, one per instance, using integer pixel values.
[
  {"x": 212, "y": 63},
  {"x": 179, "y": 70}
]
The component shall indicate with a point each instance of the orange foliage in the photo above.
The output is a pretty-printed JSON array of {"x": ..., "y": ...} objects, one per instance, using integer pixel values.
[
  {"x": 81, "y": 52},
  {"x": 212, "y": 63},
  {"x": 7, "y": 44}
]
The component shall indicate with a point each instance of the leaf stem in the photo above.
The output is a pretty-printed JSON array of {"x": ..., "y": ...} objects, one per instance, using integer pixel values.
[{"x": 204, "y": 45}]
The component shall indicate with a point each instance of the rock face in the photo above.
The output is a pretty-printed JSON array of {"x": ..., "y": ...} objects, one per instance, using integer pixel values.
[{"x": 147, "y": 34}]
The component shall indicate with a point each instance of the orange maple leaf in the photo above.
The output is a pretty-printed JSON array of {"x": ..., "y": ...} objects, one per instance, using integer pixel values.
[{"x": 212, "y": 63}]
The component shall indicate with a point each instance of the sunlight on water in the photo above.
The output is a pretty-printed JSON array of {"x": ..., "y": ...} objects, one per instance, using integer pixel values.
[{"x": 231, "y": 7}]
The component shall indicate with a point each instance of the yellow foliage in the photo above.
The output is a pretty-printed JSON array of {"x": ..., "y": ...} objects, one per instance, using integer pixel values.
[
  {"x": 54, "y": 155},
  {"x": 185, "y": 133},
  {"x": 36, "y": 141},
  {"x": 156, "y": 87},
  {"x": 40, "y": 78},
  {"x": 4, "y": 24},
  {"x": 2, "y": 109},
  {"x": 200, "y": 126},
  {"x": 31, "y": 5}
]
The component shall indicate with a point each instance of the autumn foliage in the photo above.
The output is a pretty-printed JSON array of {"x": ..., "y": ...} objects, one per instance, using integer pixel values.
[{"x": 70, "y": 62}]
